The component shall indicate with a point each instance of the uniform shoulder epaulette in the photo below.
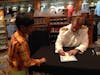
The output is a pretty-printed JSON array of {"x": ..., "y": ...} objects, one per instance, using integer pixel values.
[
  {"x": 84, "y": 27},
  {"x": 64, "y": 29}
]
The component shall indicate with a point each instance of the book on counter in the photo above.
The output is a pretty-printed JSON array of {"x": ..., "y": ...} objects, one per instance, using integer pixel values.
[{"x": 67, "y": 58}]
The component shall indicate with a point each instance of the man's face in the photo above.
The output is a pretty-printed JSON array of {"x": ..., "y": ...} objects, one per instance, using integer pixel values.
[{"x": 75, "y": 26}]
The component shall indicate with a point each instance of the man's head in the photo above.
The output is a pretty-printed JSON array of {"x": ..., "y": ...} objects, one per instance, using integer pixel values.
[{"x": 77, "y": 22}]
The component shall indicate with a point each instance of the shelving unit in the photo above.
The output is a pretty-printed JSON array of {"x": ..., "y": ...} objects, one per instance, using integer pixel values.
[
  {"x": 41, "y": 22},
  {"x": 55, "y": 24},
  {"x": 3, "y": 32}
]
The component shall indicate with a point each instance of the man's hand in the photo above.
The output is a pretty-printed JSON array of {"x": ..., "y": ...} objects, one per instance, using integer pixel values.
[
  {"x": 61, "y": 52},
  {"x": 73, "y": 52}
]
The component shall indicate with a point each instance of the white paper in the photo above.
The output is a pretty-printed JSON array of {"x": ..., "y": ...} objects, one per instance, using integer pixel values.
[{"x": 67, "y": 58}]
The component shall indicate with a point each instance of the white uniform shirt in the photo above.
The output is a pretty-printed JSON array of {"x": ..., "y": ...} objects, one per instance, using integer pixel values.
[{"x": 67, "y": 38}]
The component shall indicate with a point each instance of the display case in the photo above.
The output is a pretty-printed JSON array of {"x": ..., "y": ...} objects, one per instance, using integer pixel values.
[{"x": 3, "y": 32}]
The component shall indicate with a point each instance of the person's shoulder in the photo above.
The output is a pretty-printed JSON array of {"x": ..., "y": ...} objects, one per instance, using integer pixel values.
[
  {"x": 84, "y": 27},
  {"x": 64, "y": 28},
  {"x": 19, "y": 38}
]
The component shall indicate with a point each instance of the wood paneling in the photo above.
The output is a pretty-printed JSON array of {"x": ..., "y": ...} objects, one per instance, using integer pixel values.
[
  {"x": 36, "y": 4},
  {"x": 78, "y": 4}
]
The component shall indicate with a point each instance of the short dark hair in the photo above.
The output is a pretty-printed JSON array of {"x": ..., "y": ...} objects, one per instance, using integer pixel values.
[{"x": 24, "y": 19}]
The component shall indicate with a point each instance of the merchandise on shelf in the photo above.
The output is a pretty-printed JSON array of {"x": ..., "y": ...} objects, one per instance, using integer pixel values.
[{"x": 3, "y": 32}]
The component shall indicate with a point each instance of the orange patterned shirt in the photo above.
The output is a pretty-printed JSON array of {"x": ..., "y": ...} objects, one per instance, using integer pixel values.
[{"x": 19, "y": 53}]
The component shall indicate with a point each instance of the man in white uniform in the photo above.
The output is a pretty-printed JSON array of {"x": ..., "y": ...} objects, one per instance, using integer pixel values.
[{"x": 73, "y": 35}]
